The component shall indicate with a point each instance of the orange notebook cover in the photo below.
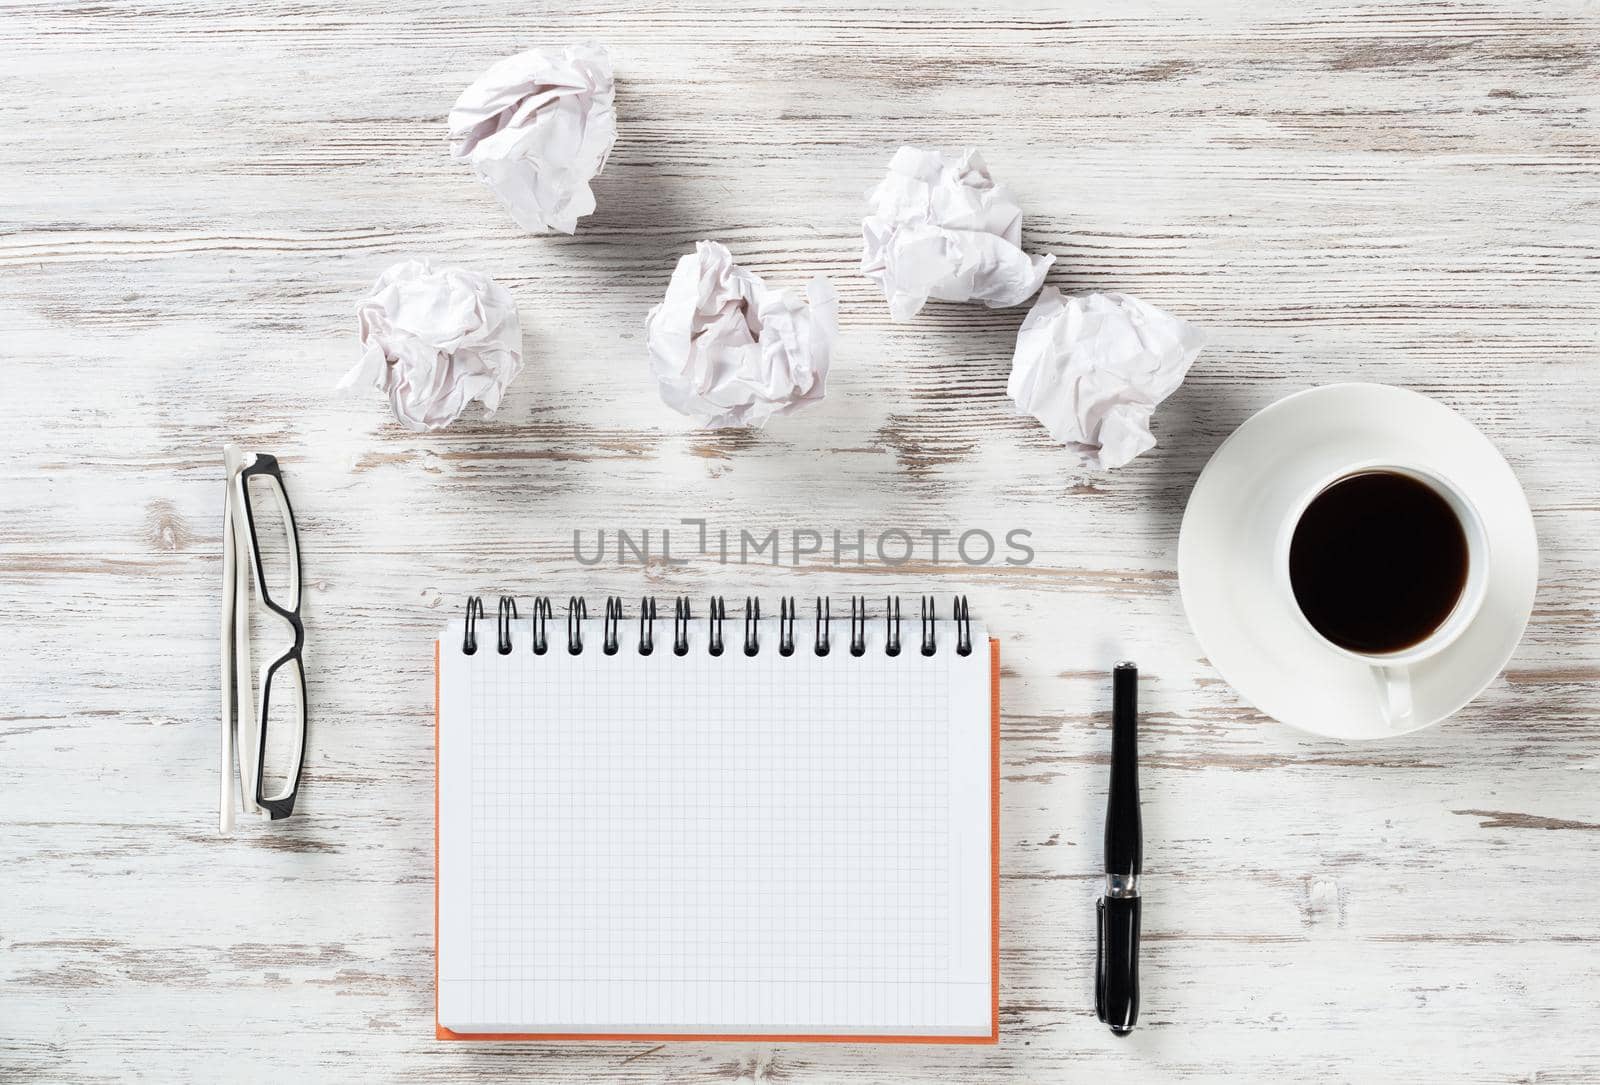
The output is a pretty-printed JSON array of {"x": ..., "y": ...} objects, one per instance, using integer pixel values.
[{"x": 496, "y": 684}]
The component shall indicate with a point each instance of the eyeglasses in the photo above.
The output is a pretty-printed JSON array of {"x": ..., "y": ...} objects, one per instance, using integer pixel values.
[{"x": 264, "y": 713}]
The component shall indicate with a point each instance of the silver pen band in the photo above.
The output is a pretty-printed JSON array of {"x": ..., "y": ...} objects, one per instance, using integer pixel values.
[{"x": 1122, "y": 885}]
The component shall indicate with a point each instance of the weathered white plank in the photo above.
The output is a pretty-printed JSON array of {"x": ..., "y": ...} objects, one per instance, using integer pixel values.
[{"x": 192, "y": 195}]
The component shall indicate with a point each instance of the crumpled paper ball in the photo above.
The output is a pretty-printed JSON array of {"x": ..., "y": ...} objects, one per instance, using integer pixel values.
[
  {"x": 946, "y": 231},
  {"x": 1093, "y": 369},
  {"x": 729, "y": 351},
  {"x": 435, "y": 340},
  {"x": 537, "y": 127}
]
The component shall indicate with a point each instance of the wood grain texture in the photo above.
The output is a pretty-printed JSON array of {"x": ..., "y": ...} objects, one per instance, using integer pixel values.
[{"x": 192, "y": 196}]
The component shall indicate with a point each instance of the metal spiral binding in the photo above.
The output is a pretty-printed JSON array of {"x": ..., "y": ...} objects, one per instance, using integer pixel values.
[
  {"x": 469, "y": 640},
  {"x": 611, "y": 638},
  {"x": 507, "y": 615},
  {"x": 752, "y": 618},
  {"x": 788, "y": 616},
  {"x": 680, "y": 626},
  {"x": 647, "y": 625},
  {"x": 858, "y": 625},
  {"x": 719, "y": 611},
  {"x": 577, "y": 613},
  {"x": 541, "y": 618}
]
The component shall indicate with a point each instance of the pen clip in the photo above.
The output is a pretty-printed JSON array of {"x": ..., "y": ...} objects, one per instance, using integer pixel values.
[{"x": 1100, "y": 959}]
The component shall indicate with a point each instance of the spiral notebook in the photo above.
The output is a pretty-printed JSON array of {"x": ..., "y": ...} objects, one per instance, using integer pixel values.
[{"x": 717, "y": 827}]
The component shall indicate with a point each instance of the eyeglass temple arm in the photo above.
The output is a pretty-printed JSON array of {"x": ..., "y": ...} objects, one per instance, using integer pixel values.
[
  {"x": 227, "y": 771},
  {"x": 247, "y": 731}
]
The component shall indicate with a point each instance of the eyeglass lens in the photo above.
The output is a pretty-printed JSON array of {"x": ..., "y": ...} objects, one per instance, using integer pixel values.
[
  {"x": 284, "y": 705},
  {"x": 280, "y": 566}
]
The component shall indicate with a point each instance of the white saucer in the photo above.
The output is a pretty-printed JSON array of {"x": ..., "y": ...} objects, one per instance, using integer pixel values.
[{"x": 1244, "y": 618}]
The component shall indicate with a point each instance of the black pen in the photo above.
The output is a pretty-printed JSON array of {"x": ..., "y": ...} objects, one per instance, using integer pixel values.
[{"x": 1116, "y": 974}]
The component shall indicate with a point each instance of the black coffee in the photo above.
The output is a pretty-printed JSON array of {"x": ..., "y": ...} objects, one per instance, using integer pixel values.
[{"x": 1378, "y": 561}]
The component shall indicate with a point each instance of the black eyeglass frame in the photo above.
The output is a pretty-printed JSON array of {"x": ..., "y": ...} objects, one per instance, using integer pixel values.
[{"x": 262, "y": 464}]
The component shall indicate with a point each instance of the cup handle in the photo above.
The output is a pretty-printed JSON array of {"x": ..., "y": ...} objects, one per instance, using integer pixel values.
[{"x": 1394, "y": 683}]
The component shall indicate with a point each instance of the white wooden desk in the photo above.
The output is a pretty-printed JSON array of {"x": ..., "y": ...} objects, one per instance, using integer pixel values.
[{"x": 193, "y": 195}]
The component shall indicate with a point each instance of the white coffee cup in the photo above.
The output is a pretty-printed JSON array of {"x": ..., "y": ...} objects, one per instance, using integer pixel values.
[{"x": 1392, "y": 670}]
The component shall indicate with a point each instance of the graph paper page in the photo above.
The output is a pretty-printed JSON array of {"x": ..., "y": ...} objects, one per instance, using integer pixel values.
[{"x": 715, "y": 845}]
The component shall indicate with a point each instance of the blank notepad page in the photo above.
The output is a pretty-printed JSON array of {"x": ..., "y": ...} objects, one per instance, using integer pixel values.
[{"x": 715, "y": 845}]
